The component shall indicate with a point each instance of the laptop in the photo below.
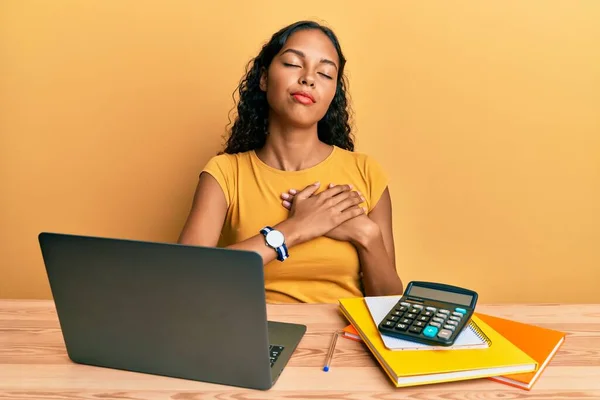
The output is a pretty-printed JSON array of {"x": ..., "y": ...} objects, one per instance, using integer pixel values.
[{"x": 174, "y": 310}]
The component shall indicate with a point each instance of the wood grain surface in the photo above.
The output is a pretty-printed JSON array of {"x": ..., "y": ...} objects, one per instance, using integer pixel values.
[{"x": 34, "y": 362}]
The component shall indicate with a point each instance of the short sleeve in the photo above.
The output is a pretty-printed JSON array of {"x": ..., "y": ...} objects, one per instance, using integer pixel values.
[
  {"x": 220, "y": 168},
  {"x": 377, "y": 180}
]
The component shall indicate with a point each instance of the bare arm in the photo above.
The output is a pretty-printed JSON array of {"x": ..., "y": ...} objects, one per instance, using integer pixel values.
[
  {"x": 310, "y": 217},
  {"x": 205, "y": 222},
  {"x": 377, "y": 254}
]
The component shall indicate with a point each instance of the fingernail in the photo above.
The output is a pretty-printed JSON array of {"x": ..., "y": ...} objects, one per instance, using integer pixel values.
[
  {"x": 362, "y": 198},
  {"x": 364, "y": 209},
  {"x": 331, "y": 185},
  {"x": 350, "y": 186},
  {"x": 285, "y": 196},
  {"x": 293, "y": 191},
  {"x": 317, "y": 183},
  {"x": 286, "y": 203}
]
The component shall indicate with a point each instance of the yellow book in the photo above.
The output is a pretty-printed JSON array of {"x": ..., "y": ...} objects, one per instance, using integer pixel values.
[{"x": 410, "y": 368}]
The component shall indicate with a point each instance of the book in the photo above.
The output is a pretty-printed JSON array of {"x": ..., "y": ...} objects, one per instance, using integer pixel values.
[
  {"x": 470, "y": 338},
  {"x": 412, "y": 368},
  {"x": 539, "y": 343},
  {"x": 349, "y": 332}
]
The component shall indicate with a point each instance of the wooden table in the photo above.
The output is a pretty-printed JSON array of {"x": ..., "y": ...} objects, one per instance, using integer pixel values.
[{"x": 34, "y": 363}]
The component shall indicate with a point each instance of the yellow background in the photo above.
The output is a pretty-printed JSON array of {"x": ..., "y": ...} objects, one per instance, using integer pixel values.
[{"x": 485, "y": 114}]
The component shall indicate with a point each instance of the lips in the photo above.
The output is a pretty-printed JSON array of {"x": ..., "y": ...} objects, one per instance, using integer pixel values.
[{"x": 303, "y": 97}]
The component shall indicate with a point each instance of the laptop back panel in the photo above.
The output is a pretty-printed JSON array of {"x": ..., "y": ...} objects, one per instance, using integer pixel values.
[{"x": 167, "y": 309}]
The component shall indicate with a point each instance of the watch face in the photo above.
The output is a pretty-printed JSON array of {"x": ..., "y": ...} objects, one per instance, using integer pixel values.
[{"x": 274, "y": 238}]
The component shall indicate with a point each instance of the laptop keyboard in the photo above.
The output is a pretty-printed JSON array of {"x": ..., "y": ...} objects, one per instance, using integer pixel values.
[{"x": 274, "y": 352}]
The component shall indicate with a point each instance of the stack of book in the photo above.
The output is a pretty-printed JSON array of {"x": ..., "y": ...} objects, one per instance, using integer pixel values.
[{"x": 506, "y": 351}]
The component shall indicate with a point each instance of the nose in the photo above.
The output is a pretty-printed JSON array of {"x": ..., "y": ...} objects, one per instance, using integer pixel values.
[{"x": 307, "y": 79}]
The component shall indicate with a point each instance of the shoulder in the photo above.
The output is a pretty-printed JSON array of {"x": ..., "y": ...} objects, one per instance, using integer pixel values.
[
  {"x": 227, "y": 162},
  {"x": 225, "y": 168},
  {"x": 365, "y": 163}
]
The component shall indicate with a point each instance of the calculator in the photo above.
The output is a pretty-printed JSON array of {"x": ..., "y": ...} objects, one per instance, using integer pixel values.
[{"x": 430, "y": 313}]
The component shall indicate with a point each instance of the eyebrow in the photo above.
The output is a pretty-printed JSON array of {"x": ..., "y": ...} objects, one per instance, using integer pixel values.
[{"x": 301, "y": 54}]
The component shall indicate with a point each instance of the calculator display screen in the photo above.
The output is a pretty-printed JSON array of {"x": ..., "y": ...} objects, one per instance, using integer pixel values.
[{"x": 435, "y": 294}]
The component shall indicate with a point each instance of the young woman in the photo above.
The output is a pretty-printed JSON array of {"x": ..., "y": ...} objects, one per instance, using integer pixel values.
[{"x": 289, "y": 185}]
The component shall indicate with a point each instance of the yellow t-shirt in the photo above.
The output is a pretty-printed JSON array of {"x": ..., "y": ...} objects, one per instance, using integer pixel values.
[{"x": 321, "y": 270}]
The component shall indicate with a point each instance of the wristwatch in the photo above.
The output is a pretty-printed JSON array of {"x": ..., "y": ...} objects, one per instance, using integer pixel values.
[{"x": 275, "y": 240}]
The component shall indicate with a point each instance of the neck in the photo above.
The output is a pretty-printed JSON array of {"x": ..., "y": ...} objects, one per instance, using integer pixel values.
[{"x": 293, "y": 149}]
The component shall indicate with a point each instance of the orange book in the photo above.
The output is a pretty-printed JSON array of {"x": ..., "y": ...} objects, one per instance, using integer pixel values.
[
  {"x": 351, "y": 333},
  {"x": 539, "y": 343}
]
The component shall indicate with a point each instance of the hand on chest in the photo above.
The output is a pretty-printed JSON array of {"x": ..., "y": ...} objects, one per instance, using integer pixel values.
[{"x": 258, "y": 202}]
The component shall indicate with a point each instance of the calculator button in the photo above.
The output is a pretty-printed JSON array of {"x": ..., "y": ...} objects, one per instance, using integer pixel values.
[
  {"x": 389, "y": 324},
  {"x": 438, "y": 315},
  {"x": 397, "y": 313},
  {"x": 460, "y": 310},
  {"x": 423, "y": 318},
  {"x": 449, "y": 327},
  {"x": 405, "y": 304},
  {"x": 452, "y": 323},
  {"x": 420, "y": 324},
  {"x": 415, "y": 311},
  {"x": 401, "y": 327},
  {"x": 407, "y": 321},
  {"x": 401, "y": 308},
  {"x": 428, "y": 313},
  {"x": 444, "y": 311},
  {"x": 432, "y": 309},
  {"x": 410, "y": 315},
  {"x": 440, "y": 320},
  {"x": 430, "y": 331},
  {"x": 453, "y": 318},
  {"x": 457, "y": 314},
  {"x": 436, "y": 324},
  {"x": 417, "y": 306},
  {"x": 445, "y": 334},
  {"x": 415, "y": 329}
]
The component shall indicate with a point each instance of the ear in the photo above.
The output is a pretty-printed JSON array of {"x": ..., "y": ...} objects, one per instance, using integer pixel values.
[{"x": 263, "y": 80}]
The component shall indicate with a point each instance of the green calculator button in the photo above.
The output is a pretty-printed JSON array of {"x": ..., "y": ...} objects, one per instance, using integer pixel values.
[{"x": 430, "y": 331}]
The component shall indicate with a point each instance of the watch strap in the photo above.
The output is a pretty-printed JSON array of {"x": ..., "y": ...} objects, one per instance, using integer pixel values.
[{"x": 282, "y": 251}]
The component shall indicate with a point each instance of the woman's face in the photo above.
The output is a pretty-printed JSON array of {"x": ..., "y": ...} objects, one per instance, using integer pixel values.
[{"x": 302, "y": 78}]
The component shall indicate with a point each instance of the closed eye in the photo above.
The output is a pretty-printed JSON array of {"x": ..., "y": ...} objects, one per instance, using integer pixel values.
[
  {"x": 291, "y": 65},
  {"x": 325, "y": 75}
]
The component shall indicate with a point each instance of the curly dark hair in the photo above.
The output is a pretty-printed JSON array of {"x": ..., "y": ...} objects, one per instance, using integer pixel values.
[{"x": 249, "y": 130}]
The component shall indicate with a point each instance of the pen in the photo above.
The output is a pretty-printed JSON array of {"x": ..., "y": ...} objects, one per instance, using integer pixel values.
[{"x": 331, "y": 350}]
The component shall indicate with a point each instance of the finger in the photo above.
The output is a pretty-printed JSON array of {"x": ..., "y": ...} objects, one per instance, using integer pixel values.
[
  {"x": 308, "y": 191},
  {"x": 335, "y": 190},
  {"x": 293, "y": 191},
  {"x": 353, "y": 200},
  {"x": 287, "y": 204},
  {"x": 352, "y": 212},
  {"x": 288, "y": 197},
  {"x": 346, "y": 195},
  {"x": 333, "y": 184}
]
